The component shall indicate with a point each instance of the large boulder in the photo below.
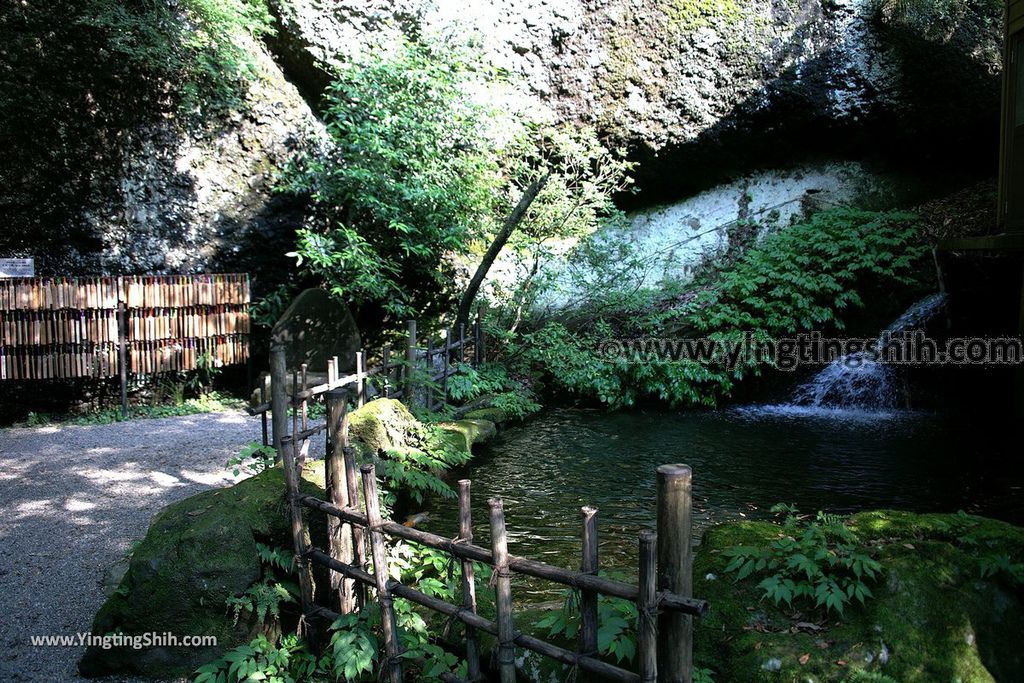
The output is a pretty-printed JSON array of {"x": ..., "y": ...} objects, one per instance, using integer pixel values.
[
  {"x": 197, "y": 553},
  {"x": 202, "y": 550},
  {"x": 935, "y": 616},
  {"x": 387, "y": 425}
]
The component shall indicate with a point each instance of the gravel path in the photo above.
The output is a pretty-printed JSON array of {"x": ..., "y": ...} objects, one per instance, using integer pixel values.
[{"x": 72, "y": 501}]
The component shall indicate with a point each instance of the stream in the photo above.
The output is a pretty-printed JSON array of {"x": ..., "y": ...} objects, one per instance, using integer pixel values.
[{"x": 744, "y": 459}]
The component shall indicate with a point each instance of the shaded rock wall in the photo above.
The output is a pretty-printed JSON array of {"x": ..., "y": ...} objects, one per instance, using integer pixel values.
[{"x": 699, "y": 90}]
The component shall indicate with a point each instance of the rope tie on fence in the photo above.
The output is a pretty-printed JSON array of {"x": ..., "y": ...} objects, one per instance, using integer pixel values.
[{"x": 499, "y": 573}]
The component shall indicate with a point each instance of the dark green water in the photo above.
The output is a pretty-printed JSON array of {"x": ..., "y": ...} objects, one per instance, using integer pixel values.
[{"x": 744, "y": 460}]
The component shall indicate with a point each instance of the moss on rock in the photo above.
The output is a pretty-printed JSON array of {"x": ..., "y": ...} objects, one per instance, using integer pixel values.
[
  {"x": 387, "y": 425},
  {"x": 197, "y": 553},
  {"x": 933, "y": 618},
  {"x": 491, "y": 414},
  {"x": 463, "y": 434},
  {"x": 383, "y": 425}
]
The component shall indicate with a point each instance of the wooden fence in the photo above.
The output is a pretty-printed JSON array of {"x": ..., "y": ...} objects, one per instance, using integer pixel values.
[
  {"x": 99, "y": 327},
  {"x": 356, "y": 555},
  {"x": 417, "y": 374}
]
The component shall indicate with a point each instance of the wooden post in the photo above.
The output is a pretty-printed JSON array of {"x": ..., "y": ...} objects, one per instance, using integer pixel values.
[
  {"x": 263, "y": 401},
  {"x": 430, "y": 374},
  {"x": 305, "y": 406},
  {"x": 381, "y": 575},
  {"x": 476, "y": 339},
  {"x": 386, "y": 370},
  {"x": 339, "y": 535},
  {"x": 588, "y": 598},
  {"x": 483, "y": 334},
  {"x": 462, "y": 342},
  {"x": 360, "y": 379},
  {"x": 444, "y": 378},
  {"x": 647, "y": 606},
  {"x": 287, "y": 454},
  {"x": 122, "y": 356},
  {"x": 675, "y": 566},
  {"x": 278, "y": 396},
  {"x": 408, "y": 390},
  {"x": 358, "y": 542},
  {"x": 502, "y": 593},
  {"x": 468, "y": 581}
]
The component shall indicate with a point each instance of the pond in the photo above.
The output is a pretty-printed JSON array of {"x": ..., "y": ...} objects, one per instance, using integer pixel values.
[{"x": 744, "y": 459}]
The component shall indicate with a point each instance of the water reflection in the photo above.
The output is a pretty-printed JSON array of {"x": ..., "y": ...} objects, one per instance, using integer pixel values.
[{"x": 744, "y": 461}]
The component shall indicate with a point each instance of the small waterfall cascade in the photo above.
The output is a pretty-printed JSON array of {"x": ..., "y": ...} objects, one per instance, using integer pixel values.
[{"x": 859, "y": 380}]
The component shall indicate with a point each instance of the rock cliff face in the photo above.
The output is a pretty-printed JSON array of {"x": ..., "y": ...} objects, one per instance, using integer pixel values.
[{"x": 700, "y": 90}]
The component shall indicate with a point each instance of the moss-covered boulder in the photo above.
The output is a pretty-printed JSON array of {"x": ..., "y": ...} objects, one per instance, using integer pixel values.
[
  {"x": 387, "y": 425},
  {"x": 933, "y": 617},
  {"x": 383, "y": 425},
  {"x": 491, "y": 414},
  {"x": 463, "y": 434},
  {"x": 197, "y": 553}
]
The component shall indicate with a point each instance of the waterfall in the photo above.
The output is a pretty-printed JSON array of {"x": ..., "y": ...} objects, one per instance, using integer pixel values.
[{"x": 859, "y": 380}]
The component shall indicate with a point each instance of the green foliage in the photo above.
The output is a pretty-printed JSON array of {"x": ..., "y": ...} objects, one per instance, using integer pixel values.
[
  {"x": 819, "y": 561},
  {"x": 196, "y": 44},
  {"x": 353, "y": 651},
  {"x": 267, "y": 310},
  {"x": 252, "y": 459},
  {"x": 213, "y": 402},
  {"x": 262, "y": 599},
  {"x": 278, "y": 558},
  {"x": 617, "y": 623},
  {"x": 286, "y": 661},
  {"x": 513, "y": 397},
  {"x": 802, "y": 278},
  {"x": 407, "y": 178}
]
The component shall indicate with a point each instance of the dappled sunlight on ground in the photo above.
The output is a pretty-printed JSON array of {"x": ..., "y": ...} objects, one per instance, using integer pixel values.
[{"x": 72, "y": 501}]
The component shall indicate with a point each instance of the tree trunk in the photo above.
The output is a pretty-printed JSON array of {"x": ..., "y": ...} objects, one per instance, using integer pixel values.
[{"x": 511, "y": 223}]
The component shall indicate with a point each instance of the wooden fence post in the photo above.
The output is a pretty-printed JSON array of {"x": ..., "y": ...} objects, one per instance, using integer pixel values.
[
  {"x": 647, "y": 606},
  {"x": 278, "y": 397},
  {"x": 358, "y": 541},
  {"x": 408, "y": 390},
  {"x": 360, "y": 379},
  {"x": 444, "y": 379},
  {"x": 386, "y": 371},
  {"x": 468, "y": 580},
  {"x": 339, "y": 535},
  {"x": 430, "y": 374},
  {"x": 675, "y": 566},
  {"x": 588, "y": 598},
  {"x": 502, "y": 593},
  {"x": 264, "y": 379},
  {"x": 462, "y": 342},
  {"x": 287, "y": 454},
  {"x": 381, "y": 574}
]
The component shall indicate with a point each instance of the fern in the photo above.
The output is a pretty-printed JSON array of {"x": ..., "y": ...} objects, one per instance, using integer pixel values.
[
  {"x": 262, "y": 599},
  {"x": 820, "y": 561}
]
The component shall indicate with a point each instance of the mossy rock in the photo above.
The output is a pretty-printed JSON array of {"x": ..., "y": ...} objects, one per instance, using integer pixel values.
[
  {"x": 197, "y": 553},
  {"x": 463, "y": 434},
  {"x": 495, "y": 415},
  {"x": 933, "y": 615},
  {"x": 387, "y": 425},
  {"x": 383, "y": 425}
]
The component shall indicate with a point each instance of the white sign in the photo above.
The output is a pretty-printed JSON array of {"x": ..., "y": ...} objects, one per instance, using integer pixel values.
[{"x": 17, "y": 267}]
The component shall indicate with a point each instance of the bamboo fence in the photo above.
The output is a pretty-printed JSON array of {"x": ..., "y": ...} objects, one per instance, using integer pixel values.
[{"x": 99, "y": 327}]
